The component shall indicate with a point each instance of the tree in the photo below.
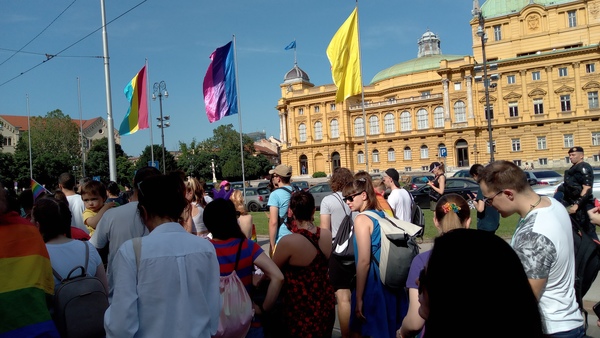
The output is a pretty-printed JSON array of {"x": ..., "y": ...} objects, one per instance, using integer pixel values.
[
  {"x": 196, "y": 162},
  {"x": 7, "y": 170},
  {"x": 97, "y": 160},
  {"x": 146, "y": 156}
]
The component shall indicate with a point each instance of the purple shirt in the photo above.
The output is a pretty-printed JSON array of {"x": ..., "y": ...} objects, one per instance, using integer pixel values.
[{"x": 418, "y": 263}]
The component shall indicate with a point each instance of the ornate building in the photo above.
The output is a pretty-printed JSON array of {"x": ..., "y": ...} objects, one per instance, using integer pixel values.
[{"x": 544, "y": 101}]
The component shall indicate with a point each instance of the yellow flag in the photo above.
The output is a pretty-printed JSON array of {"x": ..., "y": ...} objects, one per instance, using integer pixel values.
[{"x": 344, "y": 56}]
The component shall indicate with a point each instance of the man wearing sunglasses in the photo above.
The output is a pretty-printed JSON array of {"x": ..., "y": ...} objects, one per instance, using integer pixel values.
[
  {"x": 543, "y": 240},
  {"x": 279, "y": 201}
]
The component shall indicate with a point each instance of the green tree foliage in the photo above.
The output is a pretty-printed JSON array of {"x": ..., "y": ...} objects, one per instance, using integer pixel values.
[
  {"x": 97, "y": 161},
  {"x": 146, "y": 157},
  {"x": 54, "y": 146},
  {"x": 7, "y": 170},
  {"x": 196, "y": 162}
]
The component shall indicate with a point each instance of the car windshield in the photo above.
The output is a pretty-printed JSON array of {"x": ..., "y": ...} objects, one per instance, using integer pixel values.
[
  {"x": 263, "y": 191},
  {"x": 547, "y": 174}
]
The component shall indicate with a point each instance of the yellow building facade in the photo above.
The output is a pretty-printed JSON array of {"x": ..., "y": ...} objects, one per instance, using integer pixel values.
[{"x": 544, "y": 101}]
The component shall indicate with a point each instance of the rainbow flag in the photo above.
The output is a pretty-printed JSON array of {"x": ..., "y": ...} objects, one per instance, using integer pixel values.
[
  {"x": 37, "y": 189},
  {"x": 220, "y": 94},
  {"x": 137, "y": 114}
]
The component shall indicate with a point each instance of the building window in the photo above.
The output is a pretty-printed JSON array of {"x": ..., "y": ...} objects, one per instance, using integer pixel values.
[
  {"x": 596, "y": 158},
  {"x": 405, "y": 123},
  {"x": 513, "y": 109},
  {"x": 391, "y": 155},
  {"x": 360, "y": 157},
  {"x": 535, "y": 76},
  {"x": 335, "y": 128},
  {"x": 572, "y": 17},
  {"x": 332, "y": 107},
  {"x": 516, "y": 144},
  {"x": 568, "y": 140},
  {"x": 373, "y": 125},
  {"x": 460, "y": 112},
  {"x": 407, "y": 153},
  {"x": 317, "y": 109},
  {"x": 562, "y": 71},
  {"x": 565, "y": 102},
  {"x": 375, "y": 156},
  {"x": 542, "y": 161},
  {"x": 593, "y": 99},
  {"x": 488, "y": 146},
  {"x": 538, "y": 106},
  {"x": 511, "y": 79},
  {"x": 438, "y": 117},
  {"x": 422, "y": 119},
  {"x": 497, "y": 32},
  {"x": 596, "y": 138},
  {"x": 407, "y": 169},
  {"x": 318, "y": 130},
  {"x": 389, "y": 123},
  {"x": 567, "y": 160},
  {"x": 300, "y": 111},
  {"x": 590, "y": 68},
  {"x": 7, "y": 141},
  {"x": 457, "y": 85},
  {"x": 425, "y": 94},
  {"x": 302, "y": 132},
  {"x": 517, "y": 162},
  {"x": 359, "y": 127},
  {"x": 491, "y": 111},
  {"x": 424, "y": 151},
  {"x": 541, "y": 143}
]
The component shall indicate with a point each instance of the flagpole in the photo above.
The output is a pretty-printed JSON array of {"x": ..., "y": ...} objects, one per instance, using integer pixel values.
[
  {"x": 29, "y": 135},
  {"x": 149, "y": 111},
  {"x": 112, "y": 157},
  {"x": 237, "y": 89},
  {"x": 81, "y": 128},
  {"x": 295, "y": 59},
  {"x": 362, "y": 91}
]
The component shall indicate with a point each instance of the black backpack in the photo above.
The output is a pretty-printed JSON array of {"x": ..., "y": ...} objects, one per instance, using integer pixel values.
[
  {"x": 79, "y": 303},
  {"x": 417, "y": 217},
  {"x": 282, "y": 220},
  {"x": 343, "y": 243}
]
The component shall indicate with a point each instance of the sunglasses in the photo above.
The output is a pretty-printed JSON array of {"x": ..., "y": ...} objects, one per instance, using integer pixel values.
[
  {"x": 488, "y": 200},
  {"x": 351, "y": 197}
]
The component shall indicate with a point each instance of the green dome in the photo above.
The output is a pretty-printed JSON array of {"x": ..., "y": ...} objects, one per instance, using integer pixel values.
[
  {"x": 414, "y": 66},
  {"x": 495, "y": 8}
]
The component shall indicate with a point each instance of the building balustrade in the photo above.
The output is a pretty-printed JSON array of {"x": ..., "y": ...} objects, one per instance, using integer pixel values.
[{"x": 396, "y": 101}]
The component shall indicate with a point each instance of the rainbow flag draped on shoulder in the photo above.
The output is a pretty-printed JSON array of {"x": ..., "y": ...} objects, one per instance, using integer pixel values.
[{"x": 137, "y": 114}]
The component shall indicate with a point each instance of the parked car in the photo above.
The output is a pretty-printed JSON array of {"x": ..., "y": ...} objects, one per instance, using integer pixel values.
[
  {"x": 540, "y": 176},
  {"x": 462, "y": 173},
  {"x": 262, "y": 184},
  {"x": 549, "y": 190},
  {"x": 319, "y": 191},
  {"x": 415, "y": 181},
  {"x": 256, "y": 198},
  {"x": 239, "y": 185},
  {"x": 302, "y": 185},
  {"x": 465, "y": 187}
]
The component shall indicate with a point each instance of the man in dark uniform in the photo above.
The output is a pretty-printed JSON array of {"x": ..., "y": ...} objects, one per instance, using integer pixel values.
[{"x": 578, "y": 197}]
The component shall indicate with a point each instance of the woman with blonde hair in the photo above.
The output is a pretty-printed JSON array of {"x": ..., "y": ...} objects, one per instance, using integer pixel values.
[
  {"x": 451, "y": 212},
  {"x": 194, "y": 193},
  {"x": 244, "y": 218}
]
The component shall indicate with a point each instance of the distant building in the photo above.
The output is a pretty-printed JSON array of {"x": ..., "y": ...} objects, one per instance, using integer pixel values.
[
  {"x": 267, "y": 148},
  {"x": 545, "y": 101},
  {"x": 257, "y": 135},
  {"x": 13, "y": 126}
]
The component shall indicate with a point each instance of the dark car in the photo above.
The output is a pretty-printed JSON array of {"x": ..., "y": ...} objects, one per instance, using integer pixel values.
[
  {"x": 465, "y": 187},
  {"x": 302, "y": 185},
  {"x": 462, "y": 173},
  {"x": 319, "y": 191},
  {"x": 550, "y": 177},
  {"x": 415, "y": 181}
]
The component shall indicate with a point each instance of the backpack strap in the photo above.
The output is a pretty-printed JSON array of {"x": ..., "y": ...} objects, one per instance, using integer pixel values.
[
  {"x": 316, "y": 245},
  {"x": 87, "y": 258},
  {"x": 237, "y": 256},
  {"x": 341, "y": 202}
]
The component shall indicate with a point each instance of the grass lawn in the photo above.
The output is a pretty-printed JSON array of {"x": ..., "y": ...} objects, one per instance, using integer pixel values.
[{"x": 506, "y": 230}]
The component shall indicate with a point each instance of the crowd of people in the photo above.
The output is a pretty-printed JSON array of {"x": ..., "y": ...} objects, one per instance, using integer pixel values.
[{"x": 162, "y": 250}]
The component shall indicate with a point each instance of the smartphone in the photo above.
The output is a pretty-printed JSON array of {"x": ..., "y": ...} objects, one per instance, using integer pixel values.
[{"x": 596, "y": 309}]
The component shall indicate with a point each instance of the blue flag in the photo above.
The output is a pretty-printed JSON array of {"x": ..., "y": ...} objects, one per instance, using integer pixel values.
[{"x": 292, "y": 45}]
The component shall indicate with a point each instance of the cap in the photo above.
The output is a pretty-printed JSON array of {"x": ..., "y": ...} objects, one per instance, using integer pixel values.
[
  {"x": 282, "y": 170},
  {"x": 393, "y": 174},
  {"x": 575, "y": 149},
  {"x": 433, "y": 166},
  {"x": 223, "y": 183}
]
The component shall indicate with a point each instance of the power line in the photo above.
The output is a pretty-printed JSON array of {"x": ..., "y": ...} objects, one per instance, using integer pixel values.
[
  {"x": 40, "y": 33},
  {"x": 51, "y": 56}
]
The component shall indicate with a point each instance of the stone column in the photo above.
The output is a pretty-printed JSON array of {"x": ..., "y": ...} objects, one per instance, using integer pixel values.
[
  {"x": 281, "y": 126},
  {"x": 551, "y": 94},
  {"x": 468, "y": 79},
  {"x": 446, "y": 99},
  {"x": 578, "y": 99},
  {"x": 285, "y": 124}
]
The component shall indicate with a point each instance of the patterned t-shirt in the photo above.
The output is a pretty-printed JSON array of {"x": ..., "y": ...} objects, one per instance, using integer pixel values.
[{"x": 226, "y": 253}]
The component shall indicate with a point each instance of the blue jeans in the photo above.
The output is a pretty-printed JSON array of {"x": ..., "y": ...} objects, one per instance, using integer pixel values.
[{"x": 575, "y": 333}]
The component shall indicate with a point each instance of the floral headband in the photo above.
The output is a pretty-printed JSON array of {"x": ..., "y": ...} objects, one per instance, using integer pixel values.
[{"x": 450, "y": 206}]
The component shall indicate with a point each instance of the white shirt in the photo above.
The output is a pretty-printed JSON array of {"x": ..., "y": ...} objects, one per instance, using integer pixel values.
[
  {"x": 116, "y": 226},
  {"x": 401, "y": 203},
  {"x": 66, "y": 256},
  {"x": 175, "y": 293},
  {"x": 334, "y": 206},
  {"x": 77, "y": 207}
]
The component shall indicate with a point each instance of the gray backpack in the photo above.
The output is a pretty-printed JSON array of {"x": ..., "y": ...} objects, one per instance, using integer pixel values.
[{"x": 79, "y": 303}]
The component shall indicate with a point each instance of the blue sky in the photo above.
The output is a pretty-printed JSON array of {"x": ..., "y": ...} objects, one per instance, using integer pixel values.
[{"x": 178, "y": 37}]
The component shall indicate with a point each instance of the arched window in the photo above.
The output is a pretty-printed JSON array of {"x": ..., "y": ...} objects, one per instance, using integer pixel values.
[
  {"x": 318, "y": 130},
  {"x": 460, "y": 112},
  {"x": 360, "y": 157},
  {"x": 391, "y": 155},
  {"x": 359, "y": 127},
  {"x": 389, "y": 123},
  {"x": 405, "y": 123},
  {"x": 302, "y": 132},
  {"x": 373, "y": 125},
  {"x": 335, "y": 128},
  {"x": 407, "y": 153},
  {"x": 422, "y": 119},
  {"x": 438, "y": 117},
  {"x": 424, "y": 151},
  {"x": 375, "y": 156}
]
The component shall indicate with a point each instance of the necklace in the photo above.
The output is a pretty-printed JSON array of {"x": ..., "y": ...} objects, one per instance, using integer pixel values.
[{"x": 531, "y": 207}]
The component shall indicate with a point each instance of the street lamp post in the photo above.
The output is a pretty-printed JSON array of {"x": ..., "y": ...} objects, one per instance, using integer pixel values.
[{"x": 160, "y": 90}]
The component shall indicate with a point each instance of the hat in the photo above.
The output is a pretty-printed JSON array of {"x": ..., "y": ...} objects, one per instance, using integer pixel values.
[
  {"x": 393, "y": 174},
  {"x": 223, "y": 183},
  {"x": 281, "y": 170},
  {"x": 433, "y": 166},
  {"x": 575, "y": 149}
]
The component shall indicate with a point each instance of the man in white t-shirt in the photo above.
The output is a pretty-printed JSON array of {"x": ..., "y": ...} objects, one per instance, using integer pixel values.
[
  {"x": 543, "y": 241},
  {"x": 399, "y": 200},
  {"x": 66, "y": 183}
]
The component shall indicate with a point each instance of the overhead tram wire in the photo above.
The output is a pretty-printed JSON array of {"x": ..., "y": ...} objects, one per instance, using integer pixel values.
[
  {"x": 51, "y": 56},
  {"x": 40, "y": 33}
]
